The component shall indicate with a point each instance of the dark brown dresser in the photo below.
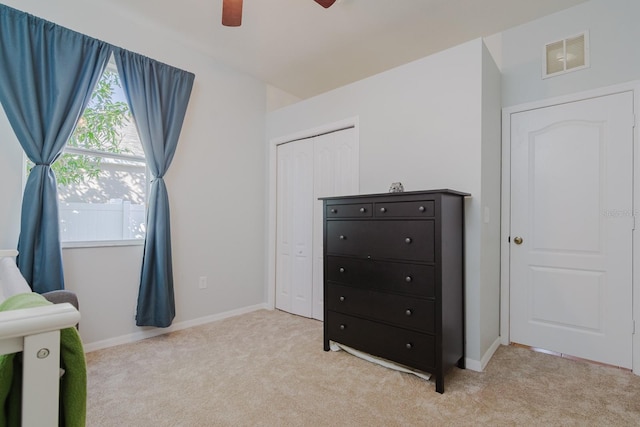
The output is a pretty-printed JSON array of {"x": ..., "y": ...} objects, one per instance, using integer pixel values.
[{"x": 394, "y": 277}]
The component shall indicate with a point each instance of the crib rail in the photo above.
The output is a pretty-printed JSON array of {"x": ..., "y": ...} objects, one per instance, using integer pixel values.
[{"x": 36, "y": 332}]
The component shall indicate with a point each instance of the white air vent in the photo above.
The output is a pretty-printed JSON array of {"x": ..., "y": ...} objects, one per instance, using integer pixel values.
[{"x": 563, "y": 56}]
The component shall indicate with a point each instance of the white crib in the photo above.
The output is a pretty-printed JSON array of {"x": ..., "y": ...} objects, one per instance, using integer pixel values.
[{"x": 36, "y": 333}]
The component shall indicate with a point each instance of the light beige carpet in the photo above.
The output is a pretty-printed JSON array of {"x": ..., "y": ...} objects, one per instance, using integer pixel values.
[{"x": 267, "y": 368}]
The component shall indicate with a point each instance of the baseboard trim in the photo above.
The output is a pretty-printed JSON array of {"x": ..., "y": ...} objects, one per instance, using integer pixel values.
[
  {"x": 479, "y": 365},
  {"x": 154, "y": 332}
]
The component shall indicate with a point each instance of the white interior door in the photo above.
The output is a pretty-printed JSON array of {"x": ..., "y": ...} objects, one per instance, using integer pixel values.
[
  {"x": 325, "y": 165},
  {"x": 294, "y": 222},
  {"x": 571, "y": 204},
  {"x": 336, "y": 173}
]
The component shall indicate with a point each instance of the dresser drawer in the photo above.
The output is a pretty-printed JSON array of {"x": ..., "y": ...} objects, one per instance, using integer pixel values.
[
  {"x": 404, "y": 240},
  {"x": 403, "y": 346},
  {"x": 411, "y": 279},
  {"x": 414, "y": 313},
  {"x": 358, "y": 210},
  {"x": 420, "y": 209}
]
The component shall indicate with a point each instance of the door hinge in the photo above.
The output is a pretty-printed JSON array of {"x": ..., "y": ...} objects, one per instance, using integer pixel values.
[
  {"x": 633, "y": 327},
  {"x": 633, "y": 222}
]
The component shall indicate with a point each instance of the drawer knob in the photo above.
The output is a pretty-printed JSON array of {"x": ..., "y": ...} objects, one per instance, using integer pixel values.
[
  {"x": 341, "y": 270},
  {"x": 341, "y": 299},
  {"x": 334, "y": 210},
  {"x": 408, "y": 312},
  {"x": 363, "y": 210},
  {"x": 408, "y": 279},
  {"x": 342, "y": 237},
  {"x": 408, "y": 240},
  {"x": 383, "y": 210},
  {"x": 342, "y": 327},
  {"x": 409, "y": 346},
  {"x": 421, "y": 209}
]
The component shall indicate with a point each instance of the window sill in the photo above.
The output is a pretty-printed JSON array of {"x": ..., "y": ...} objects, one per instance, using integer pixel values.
[{"x": 102, "y": 243}]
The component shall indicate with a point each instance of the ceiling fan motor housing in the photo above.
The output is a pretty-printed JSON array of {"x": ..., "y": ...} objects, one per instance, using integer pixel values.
[{"x": 232, "y": 11}]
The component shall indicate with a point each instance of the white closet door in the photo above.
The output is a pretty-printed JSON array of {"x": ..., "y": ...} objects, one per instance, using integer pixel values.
[
  {"x": 326, "y": 165},
  {"x": 336, "y": 173},
  {"x": 294, "y": 223}
]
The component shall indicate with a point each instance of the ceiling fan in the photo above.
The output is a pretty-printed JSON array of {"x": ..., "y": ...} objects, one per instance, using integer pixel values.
[{"x": 232, "y": 11}]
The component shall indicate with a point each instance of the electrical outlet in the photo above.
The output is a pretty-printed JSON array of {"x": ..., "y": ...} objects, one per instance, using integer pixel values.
[{"x": 202, "y": 282}]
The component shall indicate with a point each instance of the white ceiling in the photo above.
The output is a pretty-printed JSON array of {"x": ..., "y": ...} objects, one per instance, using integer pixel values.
[{"x": 304, "y": 49}]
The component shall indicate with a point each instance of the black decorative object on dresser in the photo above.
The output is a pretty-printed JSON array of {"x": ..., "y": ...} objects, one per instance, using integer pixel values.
[{"x": 394, "y": 277}]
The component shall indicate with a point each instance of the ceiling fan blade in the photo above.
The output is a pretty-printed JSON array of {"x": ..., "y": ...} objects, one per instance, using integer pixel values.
[
  {"x": 325, "y": 3},
  {"x": 231, "y": 13}
]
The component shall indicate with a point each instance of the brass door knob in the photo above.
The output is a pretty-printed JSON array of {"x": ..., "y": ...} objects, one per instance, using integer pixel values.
[{"x": 518, "y": 240}]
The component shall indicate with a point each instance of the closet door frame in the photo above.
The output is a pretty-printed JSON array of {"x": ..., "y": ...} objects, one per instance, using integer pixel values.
[{"x": 352, "y": 122}]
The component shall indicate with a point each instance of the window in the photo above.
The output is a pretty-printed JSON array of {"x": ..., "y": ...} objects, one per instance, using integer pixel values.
[{"x": 102, "y": 174}]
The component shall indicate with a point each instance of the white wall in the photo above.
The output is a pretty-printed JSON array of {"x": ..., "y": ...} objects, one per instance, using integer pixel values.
[
  {"x": 421, "y": 124},
  {"x": 406, "y": 115},
  {"x": 491, "y": 173},
  {"x": 216, "y": 187},
  {"x": 614, "y": 34}
]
